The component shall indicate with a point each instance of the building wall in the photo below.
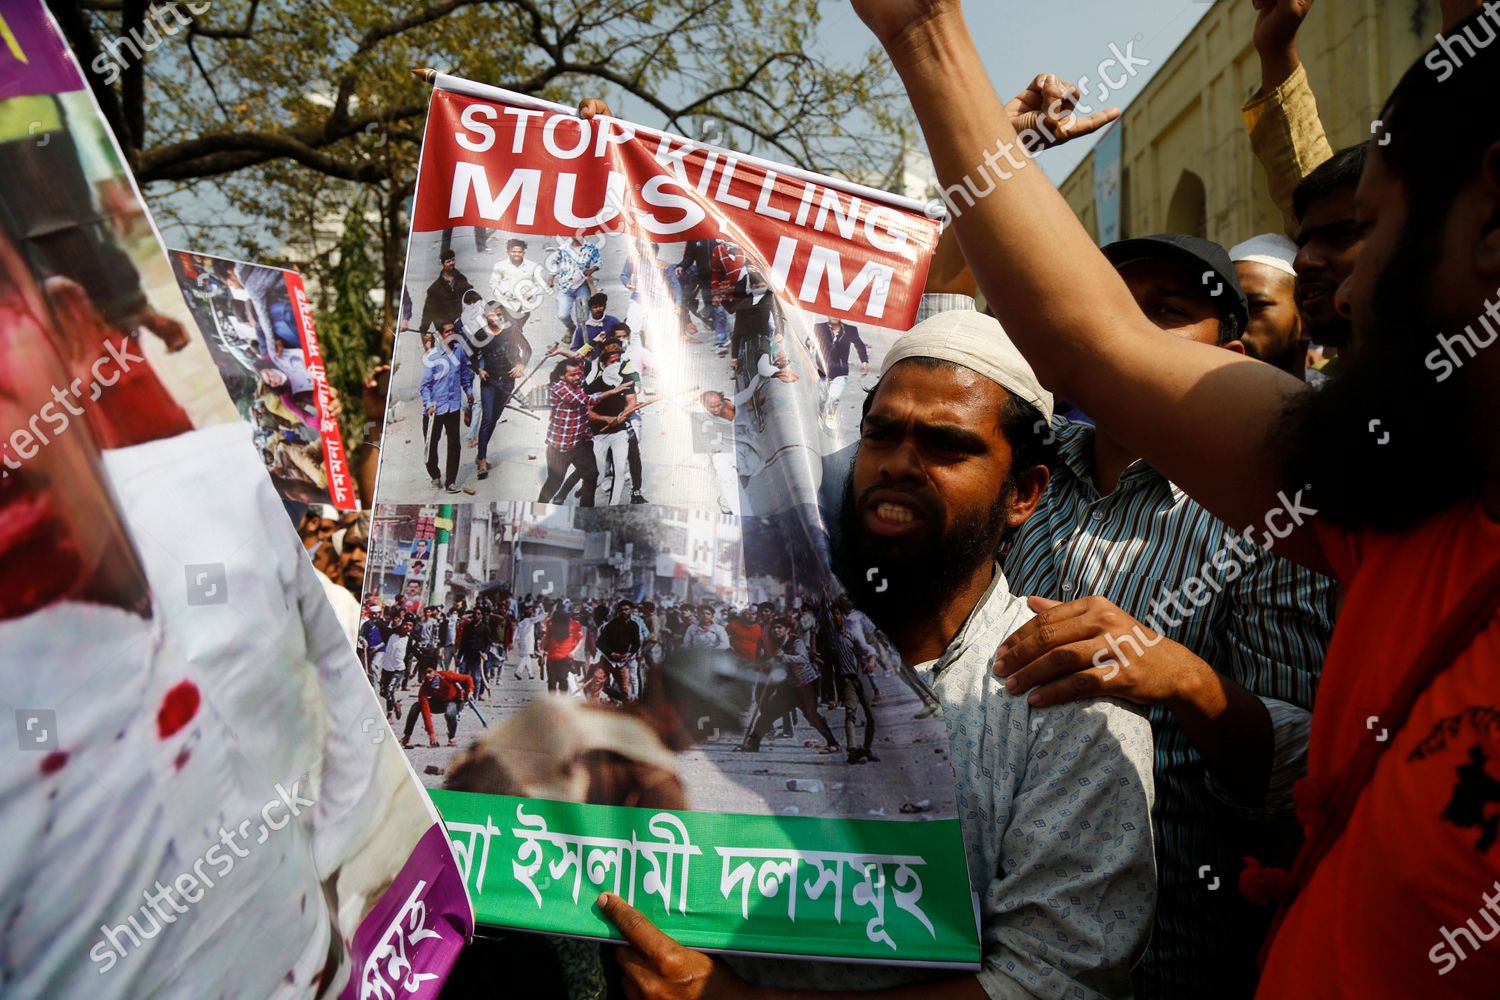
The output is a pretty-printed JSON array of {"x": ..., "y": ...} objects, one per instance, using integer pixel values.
[{"x": 1187, "y": 160}]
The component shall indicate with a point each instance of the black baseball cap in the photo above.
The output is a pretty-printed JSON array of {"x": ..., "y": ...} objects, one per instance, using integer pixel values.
[{"x": 1221, "y": 281}]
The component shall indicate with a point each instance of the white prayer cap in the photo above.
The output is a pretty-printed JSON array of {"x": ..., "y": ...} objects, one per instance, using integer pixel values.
[
  {"x": 1270, "y": 249},
  {"x": 977, "y": 342}
]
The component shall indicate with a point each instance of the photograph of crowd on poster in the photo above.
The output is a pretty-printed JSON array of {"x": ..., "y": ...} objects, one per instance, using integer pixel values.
[
  {"x": 526, "y": 601},
  {"x": 707, "y": 666},
  {"x": 499, "y": 325},
  {"x": 616, "y": 444},
  {"x": 260, "y": 334}
]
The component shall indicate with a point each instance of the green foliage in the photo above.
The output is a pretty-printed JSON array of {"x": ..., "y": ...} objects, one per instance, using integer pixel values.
[{"x": 348, "y": 323}]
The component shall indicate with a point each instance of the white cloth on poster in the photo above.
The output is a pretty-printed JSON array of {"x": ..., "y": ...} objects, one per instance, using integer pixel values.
[{"x": 617, "y": 444}]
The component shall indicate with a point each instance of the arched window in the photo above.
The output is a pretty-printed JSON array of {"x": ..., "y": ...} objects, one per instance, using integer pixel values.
[{"x": 1188, "y": 211}]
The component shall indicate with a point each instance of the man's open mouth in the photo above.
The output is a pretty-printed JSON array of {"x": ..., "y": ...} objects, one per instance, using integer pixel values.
[
  {"x": 893, "y": 516},
  {"x": 895, "y": 512},
  {"x": 1314, "y": 294}
]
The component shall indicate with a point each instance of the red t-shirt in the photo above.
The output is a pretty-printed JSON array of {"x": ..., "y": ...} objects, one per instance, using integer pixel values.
[
  {"x": 1401, "y": 905},
  {"x": 744, "y": 638},
  {"x": 561, "y": 647}
]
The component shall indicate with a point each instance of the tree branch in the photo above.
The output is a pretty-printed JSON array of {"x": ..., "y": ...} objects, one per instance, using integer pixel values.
[
  {"x": 245, "y": 31},
  {"x": 391, "y": 29},
  {"x": 133, "y": 79},
  {"x": 224, "y": 152},
  {"x": 252, "y": 149}
]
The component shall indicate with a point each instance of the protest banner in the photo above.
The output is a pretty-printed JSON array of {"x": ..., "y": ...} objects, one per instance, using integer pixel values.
[
  {"x": 630, "y": 359},
  {"x": 258, "y": 323},
  {"x": 199, "y": 752}
]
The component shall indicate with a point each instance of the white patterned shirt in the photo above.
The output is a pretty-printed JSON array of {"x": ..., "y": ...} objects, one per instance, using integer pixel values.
[{"x": 1055, "y": 807}]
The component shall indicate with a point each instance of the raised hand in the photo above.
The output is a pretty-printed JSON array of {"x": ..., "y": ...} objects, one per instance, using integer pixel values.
[
  {"x": 1277, "y": 23},
  {"x": 1276, "y": 26},
  {"x": 376, "y": 386},
  {"x": 591, "y": 106},
  {"x": 1047, "y": 108}
]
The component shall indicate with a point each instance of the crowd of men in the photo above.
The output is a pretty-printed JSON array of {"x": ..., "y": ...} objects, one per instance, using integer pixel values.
[
  {"x": 816, "y": 657},
  {"x": 477, "y": 357},
  {"x": 1171, "y": 758}
]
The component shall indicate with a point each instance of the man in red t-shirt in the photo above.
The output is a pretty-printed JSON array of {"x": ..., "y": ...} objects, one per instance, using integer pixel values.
[
  {"x": 1389, "y": 478},
  {"x": 444, "y": 690},
  {"x": 744, "y": 635}
]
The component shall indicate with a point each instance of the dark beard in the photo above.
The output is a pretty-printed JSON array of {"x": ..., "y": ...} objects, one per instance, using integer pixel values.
[
  {"x": 1326, "y": 439},
  {"x": 916, "y": 585}
]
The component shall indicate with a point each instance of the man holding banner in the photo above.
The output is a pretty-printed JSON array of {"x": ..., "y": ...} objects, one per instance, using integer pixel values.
[
  {"x": 949, "y": 465},
  {"x": 806, "y": 248}
]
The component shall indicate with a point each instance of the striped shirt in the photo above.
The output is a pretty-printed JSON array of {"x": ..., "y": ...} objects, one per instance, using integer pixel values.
[{"x": 1265, "y": 625}]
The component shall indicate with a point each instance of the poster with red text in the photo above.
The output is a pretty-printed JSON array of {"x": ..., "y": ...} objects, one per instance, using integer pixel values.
[
  {"x": 258, "y": 323},
  {"x": 627, "y": 358}
]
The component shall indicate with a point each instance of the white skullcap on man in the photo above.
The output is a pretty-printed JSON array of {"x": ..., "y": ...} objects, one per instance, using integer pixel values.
[
  {"x": 1270, "y": 249},
  {"x": 977, "y": 342}
]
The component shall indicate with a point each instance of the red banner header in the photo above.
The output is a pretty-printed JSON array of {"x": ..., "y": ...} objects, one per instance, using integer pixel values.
[{"x": 528, "y": 170}]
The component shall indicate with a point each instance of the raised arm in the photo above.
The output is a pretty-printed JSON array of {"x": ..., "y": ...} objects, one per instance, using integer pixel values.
[
  {"x": 1199, "y": 414},
  {"x": 1286, "y": 132}
]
